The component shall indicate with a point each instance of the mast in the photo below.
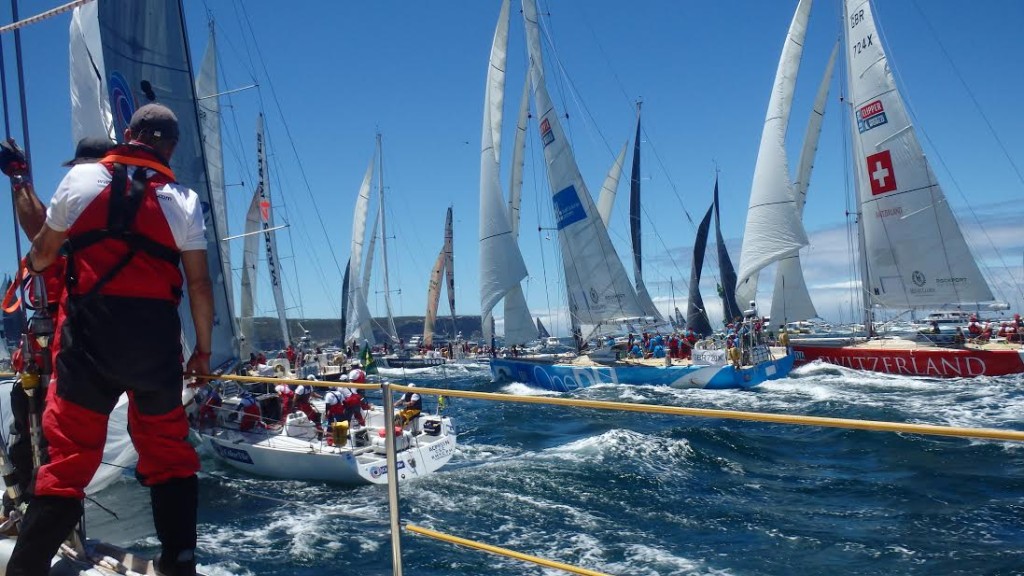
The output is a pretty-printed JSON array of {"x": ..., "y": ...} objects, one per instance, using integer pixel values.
[{"x": 393, "y": 333}]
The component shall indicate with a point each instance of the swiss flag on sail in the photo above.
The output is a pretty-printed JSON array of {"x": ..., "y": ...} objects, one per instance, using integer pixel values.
[{"x": 880, "y": 173}]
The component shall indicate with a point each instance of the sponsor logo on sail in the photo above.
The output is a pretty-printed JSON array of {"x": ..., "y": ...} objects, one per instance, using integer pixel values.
[
  {"x": 918, "y": 278},
  {"x": 122, "y": 102},
  {"x": 546, "y": 134},
  {"x": 568, "y": 208},
  {"x": 880, "y": 173},
  {"x": 870, "y": 116}
]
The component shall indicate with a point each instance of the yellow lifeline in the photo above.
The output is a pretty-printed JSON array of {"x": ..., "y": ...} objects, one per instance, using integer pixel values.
[
  {"x": 794, "y": 419},
  {"x": 501, "y": 551}
]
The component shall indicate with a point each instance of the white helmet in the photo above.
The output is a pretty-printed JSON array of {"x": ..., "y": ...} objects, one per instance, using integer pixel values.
[{"x": 411, "y": 385}]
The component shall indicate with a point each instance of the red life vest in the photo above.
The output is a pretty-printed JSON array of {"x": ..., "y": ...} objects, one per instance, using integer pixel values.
[{"x": 121, "y": 244}]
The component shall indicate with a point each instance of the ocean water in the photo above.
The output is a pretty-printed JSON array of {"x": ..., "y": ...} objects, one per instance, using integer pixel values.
[{"x": 644, "y": 495}]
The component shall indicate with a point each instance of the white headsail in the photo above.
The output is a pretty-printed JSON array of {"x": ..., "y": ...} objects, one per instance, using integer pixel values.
[
  {"x": 915, "y": 253},
  {"x": 515, "y": 188},
  {"x": 774, "y": 229},
  {"x": 208, "y": 102},
  {"x": 790, "y": 300},
  {"x": 267, "y": 222},
  {"x": 433, "y": 298},
  {"x": 501, "y": 264},
  {"x": 358, "y": 326},
  {"x": 250, "y": 270},
  {"x": 606, "y": 200},
  {"x": 390, "y": 326},
  {"x": 596, "y": 282}
]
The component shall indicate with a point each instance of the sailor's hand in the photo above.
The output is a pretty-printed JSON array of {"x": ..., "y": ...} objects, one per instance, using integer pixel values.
[
  {"x": 12, "y": 159},
  {"x": 198, "y": 363}
]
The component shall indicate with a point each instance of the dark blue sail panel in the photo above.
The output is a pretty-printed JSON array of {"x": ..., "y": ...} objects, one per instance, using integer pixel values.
[
  {"x": 162, "y": 72},
  {"x": 727, "y": 290},
  {"x": 696, "y": 315},
  {"x": 344, "y": 298},
  {"x": 541, "y": 330},
  {"x": 634, "y": 207}
]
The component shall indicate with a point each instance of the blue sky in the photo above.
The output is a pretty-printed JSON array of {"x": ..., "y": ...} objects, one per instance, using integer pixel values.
[{"x": 332, "y": 73}]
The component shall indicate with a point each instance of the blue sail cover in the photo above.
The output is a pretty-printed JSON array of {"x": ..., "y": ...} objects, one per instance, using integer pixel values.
[
  {"x": 696, "y": 316},
  {"x": 145, "y": 58},
  {"x": 727, "y": 290}
]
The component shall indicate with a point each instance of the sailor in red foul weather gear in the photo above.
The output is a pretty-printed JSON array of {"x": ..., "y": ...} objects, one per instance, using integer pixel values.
[
  {"x": 126, "y": 226},
  {"x": 287, "y": 396},
  {"x": 251, "y": 416},
  {"x": 303, "y": 395}
]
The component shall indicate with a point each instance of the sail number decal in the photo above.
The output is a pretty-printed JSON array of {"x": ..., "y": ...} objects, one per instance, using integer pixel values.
[
  {"x": 568, "y": 208},
  {"x": 856, "y": 18},
  {"x": 862, "y": 44}
]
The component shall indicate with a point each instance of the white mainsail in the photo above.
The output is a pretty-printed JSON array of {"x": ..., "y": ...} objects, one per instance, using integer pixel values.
[
  {"x": 790, "y": 300},
  {"x": 596, "y": 282},
  {"x": 611, "y": 185},
  {"x": 774, "y": 229},
  {"x": 250, "y": 270},
  {"x": 267, "y": 222},
  {"x": 390, "y": 326},
  {"x": 433, "y": 298},
  {"x": 501, "y": 264},
  {"x": 359, "y": 325},
  {"x": 515, "y": 188},
  {"x": 915, "y": 253},
  {"x": 208, "y": 103}
]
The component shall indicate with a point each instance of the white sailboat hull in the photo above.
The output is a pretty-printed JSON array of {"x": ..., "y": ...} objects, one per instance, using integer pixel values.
[{"x": 277, "y": 455}]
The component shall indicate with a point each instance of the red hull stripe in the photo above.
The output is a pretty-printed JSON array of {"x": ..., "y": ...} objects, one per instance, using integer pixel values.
[{"x": 939, "y": 363}]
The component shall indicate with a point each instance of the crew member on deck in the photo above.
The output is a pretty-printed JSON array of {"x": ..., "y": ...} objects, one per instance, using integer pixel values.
[
  {"x": 129, "y": 226},
  {"x": 412, "y": 404},
  {"x": 303, "y": 395},
  {"x": 31, "y": 216}
]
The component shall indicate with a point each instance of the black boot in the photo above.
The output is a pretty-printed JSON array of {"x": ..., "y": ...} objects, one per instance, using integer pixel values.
[
  {"x": 48, "y": 522},
  {"x": 175, "y": 510}
]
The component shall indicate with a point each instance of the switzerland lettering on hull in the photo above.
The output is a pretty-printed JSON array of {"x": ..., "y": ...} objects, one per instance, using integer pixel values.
[{"x": 937, "y": 365}]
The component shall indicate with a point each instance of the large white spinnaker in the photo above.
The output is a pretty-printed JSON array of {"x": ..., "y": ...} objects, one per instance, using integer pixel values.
[
  {"x": 597, "y": 286},
  {"x": 108, "y": 82},
  {"x": 609, "y": 189},
  {"x": 267, "y": 223},
  {"x": 501, "y": 264},
  {"x": 358, "y": 326},
  {"x": 250, "y": 271},
  {"x": 774, "y": 229},
  {"x": 915, "y": 252},
  {"x": 790, "y": 300}
]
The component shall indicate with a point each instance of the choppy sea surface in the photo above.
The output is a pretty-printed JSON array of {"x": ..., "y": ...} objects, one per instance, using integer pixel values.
[{"x": 635, "y": 494}]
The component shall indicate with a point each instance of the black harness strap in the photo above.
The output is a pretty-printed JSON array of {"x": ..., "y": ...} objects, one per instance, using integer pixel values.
[{"x": 123, "y": 208}]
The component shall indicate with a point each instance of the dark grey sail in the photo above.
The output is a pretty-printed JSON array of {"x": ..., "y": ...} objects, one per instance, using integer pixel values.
[
  {"x": 727, "y": 289},
  {"x": 541, "y": 330},
  {"x": 696, "y": 315}
]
